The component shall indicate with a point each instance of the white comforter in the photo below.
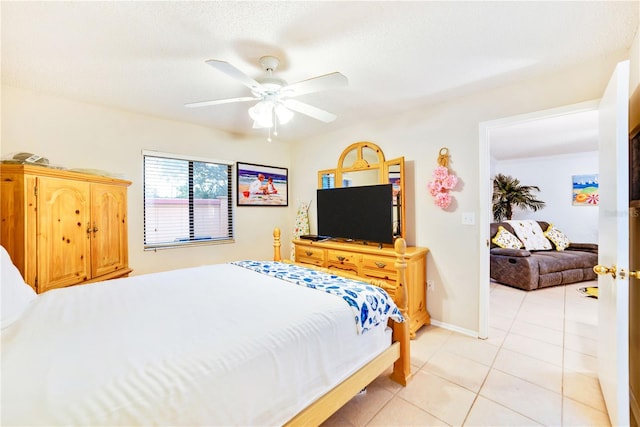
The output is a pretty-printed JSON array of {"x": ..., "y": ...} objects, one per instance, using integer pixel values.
[{"x": 213, "y": 345}]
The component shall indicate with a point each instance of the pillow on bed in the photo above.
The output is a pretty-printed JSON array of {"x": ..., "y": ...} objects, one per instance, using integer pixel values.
[
  {"x": 505, "y": 239},
  {"x": 16, "y": 294},
  {"x": 557, "y": 237}
]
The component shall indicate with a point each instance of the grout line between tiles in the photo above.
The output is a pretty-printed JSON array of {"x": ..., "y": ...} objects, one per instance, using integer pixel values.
[{"x": 475, "y": 399}]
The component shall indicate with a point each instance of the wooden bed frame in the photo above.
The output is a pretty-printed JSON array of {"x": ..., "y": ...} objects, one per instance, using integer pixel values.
[{"x": 397, "y": 354}]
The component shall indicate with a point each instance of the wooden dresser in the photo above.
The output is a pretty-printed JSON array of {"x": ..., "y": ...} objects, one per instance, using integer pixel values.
[
  {"x": 63, "y": 228},
  {"x": 371, "y": 262}
]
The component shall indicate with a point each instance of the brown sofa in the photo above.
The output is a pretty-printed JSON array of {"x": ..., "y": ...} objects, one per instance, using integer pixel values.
[{"x": 530, "y": 270}]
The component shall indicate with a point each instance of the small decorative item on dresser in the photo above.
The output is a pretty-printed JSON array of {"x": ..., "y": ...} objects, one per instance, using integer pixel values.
[
  {"x": 302, "y": 224},
  {"x": 443, "y": 181}
]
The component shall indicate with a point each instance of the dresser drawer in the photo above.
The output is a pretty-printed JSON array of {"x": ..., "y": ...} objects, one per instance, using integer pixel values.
[
  {"x": 342, "y": 257},
  {"x": 309, "y": 255},
  {"x": 377, "y": 267},
  {"x": 342, "y": 260},
  {"x": 372, "y": 262},
  {"x": 380, "y": 274}
]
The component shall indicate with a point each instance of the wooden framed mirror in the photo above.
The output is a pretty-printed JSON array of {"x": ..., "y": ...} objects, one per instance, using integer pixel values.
[{"x": 363, "y": 163}]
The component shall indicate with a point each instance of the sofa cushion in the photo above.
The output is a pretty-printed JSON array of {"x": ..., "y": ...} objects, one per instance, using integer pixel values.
[
  {"x": 553, "y": 261},
  {"x": 505, "y": 239},
  {"x": 530, "y": 233},
  {"x": 557, "y": 237}
]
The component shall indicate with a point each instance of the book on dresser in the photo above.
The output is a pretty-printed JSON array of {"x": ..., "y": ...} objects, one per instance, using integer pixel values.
[{"x": 373, "y": 262}]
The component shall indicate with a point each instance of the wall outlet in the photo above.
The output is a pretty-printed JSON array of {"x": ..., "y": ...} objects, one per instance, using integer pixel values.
[{"x": 430, "y": 285}]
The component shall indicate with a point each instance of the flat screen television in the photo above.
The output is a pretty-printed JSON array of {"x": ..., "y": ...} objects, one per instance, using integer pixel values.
[{"x": 356, "y": 213}]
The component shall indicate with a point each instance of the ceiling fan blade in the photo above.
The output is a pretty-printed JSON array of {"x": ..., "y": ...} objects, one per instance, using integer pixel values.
[
  {"x": 309, "y": 110},
  {"x": 220, "y": 101},
  {"x": 316, "y": 84},
  {"x": 232, "y": 71}
]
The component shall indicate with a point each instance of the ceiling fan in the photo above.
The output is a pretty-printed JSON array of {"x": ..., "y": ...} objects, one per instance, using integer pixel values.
[{"x": 276, "y": 105}]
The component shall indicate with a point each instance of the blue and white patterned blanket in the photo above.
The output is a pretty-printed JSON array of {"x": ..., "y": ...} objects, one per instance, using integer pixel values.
[{"x": 370, "y": 304}]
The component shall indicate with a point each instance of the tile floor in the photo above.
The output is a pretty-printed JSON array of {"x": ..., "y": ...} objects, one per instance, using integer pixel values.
[{"x": 538, "y": 367}]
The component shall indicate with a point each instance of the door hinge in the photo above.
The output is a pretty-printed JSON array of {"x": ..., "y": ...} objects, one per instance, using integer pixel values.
[{"x": 35, "y": 190}]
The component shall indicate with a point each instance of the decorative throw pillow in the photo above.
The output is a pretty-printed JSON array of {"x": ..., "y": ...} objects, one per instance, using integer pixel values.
[
  {"x": 530, "y": 234},
  {"x": 505, "y": 239},
  {"x": 557, "y": 237}
]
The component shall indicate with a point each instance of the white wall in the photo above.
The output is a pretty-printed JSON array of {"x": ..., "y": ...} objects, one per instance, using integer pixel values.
[
  {"x": 553, "y": 176},
  {"x": 77, "y": 135}
]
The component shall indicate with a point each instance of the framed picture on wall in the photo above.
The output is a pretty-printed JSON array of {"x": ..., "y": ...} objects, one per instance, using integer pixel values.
[
  {"x": 261, "y": 185},
  {"x": 585, "y": 190}
]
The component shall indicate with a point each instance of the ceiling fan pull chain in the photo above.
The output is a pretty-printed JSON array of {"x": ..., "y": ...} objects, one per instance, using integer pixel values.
[{"x": 275, "y": 121}]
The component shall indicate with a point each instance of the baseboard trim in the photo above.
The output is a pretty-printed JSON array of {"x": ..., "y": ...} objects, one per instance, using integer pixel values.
[{"x": 454, "y": 328}]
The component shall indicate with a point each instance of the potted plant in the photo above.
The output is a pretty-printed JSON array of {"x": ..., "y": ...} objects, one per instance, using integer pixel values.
[{"x": 508, "y": 192}]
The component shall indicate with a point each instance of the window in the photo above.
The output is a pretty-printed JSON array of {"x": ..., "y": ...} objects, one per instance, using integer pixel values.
[
  {"x": 187, "y": 201},
  {"x": 328, "y": 180}
]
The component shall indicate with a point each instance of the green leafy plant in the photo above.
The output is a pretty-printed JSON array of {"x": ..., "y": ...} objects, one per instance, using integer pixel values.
[{"x": 509, "y": 193}]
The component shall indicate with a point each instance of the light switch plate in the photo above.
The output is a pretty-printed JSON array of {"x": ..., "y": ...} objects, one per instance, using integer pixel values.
[{"x": 468, "y": 218}]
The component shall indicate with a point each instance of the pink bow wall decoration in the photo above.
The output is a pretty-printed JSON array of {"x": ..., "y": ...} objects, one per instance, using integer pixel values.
[{"x": 443, "y": 181}]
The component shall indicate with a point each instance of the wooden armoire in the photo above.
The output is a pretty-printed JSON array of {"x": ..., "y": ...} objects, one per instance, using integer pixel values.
[{"x": 63, "y": 228}]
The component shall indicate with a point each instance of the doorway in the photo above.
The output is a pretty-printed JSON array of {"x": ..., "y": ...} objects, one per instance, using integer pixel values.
[
  {"x": 613, "y": 151},
  {"x": 488, "y": 131}
]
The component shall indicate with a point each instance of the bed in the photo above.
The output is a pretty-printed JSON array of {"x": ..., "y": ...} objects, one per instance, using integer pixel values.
[{"x": 243, "y": 343}]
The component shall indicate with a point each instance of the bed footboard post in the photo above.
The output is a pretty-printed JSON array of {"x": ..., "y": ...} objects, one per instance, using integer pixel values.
[
  {"x": 402, "y": 366},
  {"x": 276, "y": 244}
]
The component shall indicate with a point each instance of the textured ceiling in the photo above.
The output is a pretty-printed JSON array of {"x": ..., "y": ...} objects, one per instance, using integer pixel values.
[{"x": 149, "y": 57}]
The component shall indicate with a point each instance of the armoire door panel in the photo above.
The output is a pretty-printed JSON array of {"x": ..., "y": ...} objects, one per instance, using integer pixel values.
[
  {"x": 109, "y": 232},
  {"x": 62, "y": 238}
]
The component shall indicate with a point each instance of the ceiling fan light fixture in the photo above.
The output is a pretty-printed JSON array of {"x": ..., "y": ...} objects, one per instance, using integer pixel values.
[
  {"x": 264, "y": 111},
  {"x": 283, "y": 113},
  {"x": 262, "y": 114}
]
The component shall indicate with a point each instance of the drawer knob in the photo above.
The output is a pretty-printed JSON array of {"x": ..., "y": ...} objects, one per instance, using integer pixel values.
[
  {"x": 308, "y": 253},
  {"x": 380, "y": 264},
  {"x": 340, "y": 258}
]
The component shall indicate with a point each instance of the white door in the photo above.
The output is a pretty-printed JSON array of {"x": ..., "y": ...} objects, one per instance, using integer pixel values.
[{"x": 613, "y": 292}]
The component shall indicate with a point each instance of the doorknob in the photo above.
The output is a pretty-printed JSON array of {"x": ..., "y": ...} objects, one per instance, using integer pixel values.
[{"x": 601, "y": 269}]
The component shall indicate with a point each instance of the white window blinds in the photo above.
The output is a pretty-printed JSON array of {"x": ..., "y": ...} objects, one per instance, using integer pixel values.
[{"x": 187, "y": 201}]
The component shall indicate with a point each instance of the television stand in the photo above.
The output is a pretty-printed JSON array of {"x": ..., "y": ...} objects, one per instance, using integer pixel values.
[{"x": 373, "y": 262}]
